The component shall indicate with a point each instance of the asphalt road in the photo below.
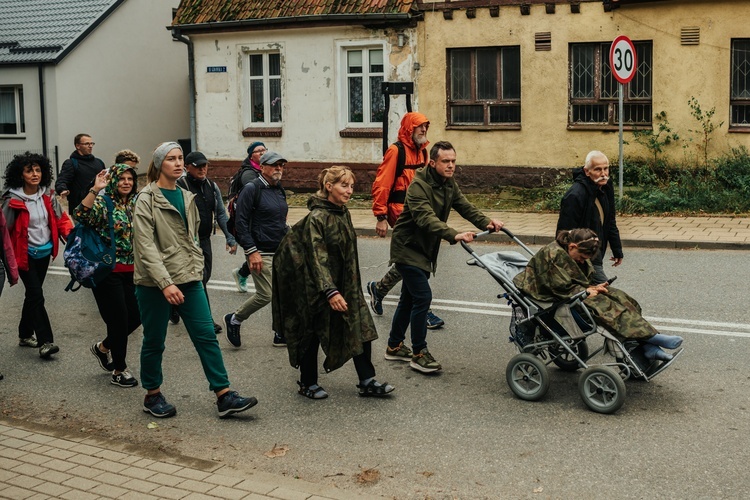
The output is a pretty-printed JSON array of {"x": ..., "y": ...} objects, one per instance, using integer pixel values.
[{"x": 460, "y": 434}]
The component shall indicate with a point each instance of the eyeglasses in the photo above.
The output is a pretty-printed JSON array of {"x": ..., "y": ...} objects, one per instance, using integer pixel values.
[
  {"x": 87, "y": 144},
  {"x": 205, "y": 165},
  {"x": 275, "y": 165},
  {"x": 259, "y": 151}
]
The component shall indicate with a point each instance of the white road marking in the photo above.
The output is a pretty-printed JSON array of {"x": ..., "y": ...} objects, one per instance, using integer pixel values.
[{"x": 501, "y": 309}]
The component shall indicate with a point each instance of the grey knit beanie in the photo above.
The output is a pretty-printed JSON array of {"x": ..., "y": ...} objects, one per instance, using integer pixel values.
[{"x": 161, "y": 152}]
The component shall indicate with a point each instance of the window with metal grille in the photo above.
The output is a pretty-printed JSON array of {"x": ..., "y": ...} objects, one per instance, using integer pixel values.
[
  {"x": 593, "y": 88},
  {"x": 264, "y": 78},
  {"x": 12, "y": 120},
  {"x": 365, "y": 70},
  {"x": 740, "y": 93},
  {"x": 484, "y": 87}
]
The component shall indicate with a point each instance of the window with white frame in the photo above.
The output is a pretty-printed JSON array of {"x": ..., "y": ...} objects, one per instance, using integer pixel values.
[
  {"x": 593, "y": 88},
  {"x": 12, "y": 120},
  {"x": 364, "y": 70},
  {"x": 264, "y": 88},
  {"x": 740, "y": 92},
  {"x": 484, "y": 87}
]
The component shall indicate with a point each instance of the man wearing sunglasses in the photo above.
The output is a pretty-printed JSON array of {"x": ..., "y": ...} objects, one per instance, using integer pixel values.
[{"x": 211, "y": 208}]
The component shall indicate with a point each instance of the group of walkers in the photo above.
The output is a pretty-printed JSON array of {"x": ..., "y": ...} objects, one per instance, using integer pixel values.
[{"x": 309, "y": 272}]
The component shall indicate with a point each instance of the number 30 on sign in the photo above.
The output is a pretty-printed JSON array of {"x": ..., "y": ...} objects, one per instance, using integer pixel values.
[{"x": 622, "y": 59}]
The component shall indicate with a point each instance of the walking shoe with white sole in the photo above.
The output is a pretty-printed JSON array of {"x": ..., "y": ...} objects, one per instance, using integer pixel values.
[
  {"x": 433, "y": 322},
  {"x": 174, "y": 315},
  {"x": 424, "y": 362},
  {"x": 231, "y": 402},
  {"x": 47, "y": 350},
  {"x": 278, "y": 340},
  {"x": 400, "y": 353},
  {"x": 123, "y": 379},
  {"x": 104, "y": 358},
  {"x": 233, "y": 331},
  {"x": 157, "y": 405},
  {"x": 239, "y": 280},
  {"x": 28, "y": 342},
  {"x": 376, "y": 301}
]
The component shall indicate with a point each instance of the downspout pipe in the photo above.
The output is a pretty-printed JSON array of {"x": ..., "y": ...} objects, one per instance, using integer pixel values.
[
  {"x": 179, "y": 37},
  {"x": 43, "y": 112}
]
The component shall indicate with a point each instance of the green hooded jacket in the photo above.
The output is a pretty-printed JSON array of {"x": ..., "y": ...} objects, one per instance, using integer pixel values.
[
  {"x": 318, "y": 255},
  {"x": 418, "y": 231},
  {"x": 552, "y": 275}
]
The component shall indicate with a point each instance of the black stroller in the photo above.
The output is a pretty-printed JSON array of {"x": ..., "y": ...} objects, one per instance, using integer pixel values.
[{"x": 556, "y": 333}]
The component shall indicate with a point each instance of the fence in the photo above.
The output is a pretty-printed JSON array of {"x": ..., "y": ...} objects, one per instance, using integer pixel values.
[{"x": 6, "y": 155}]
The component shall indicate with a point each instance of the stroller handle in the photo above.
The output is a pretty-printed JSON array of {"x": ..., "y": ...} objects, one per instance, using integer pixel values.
[{"x": 503, "y": 229}]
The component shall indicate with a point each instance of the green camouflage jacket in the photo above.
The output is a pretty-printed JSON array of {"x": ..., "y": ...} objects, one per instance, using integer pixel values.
[
  {"x": 552, "y": 275},
  {"x": 317, "y": 255}
]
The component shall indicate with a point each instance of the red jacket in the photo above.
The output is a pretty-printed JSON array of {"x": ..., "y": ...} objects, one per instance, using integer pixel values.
[
  {"x": 59, "y": 224},
  {"x": 8, "y": 255},
  {"x": 385, "y": 181}
]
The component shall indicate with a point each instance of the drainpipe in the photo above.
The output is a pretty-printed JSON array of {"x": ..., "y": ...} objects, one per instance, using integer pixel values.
[
  {"x": 42, "y": 110},
  {"x": 177, "y": 36}
]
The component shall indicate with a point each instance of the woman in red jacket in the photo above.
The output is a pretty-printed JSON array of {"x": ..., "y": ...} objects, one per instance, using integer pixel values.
[{"x": 35, "y": 222}]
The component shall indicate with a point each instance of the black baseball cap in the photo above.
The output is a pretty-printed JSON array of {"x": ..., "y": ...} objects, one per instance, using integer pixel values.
[{"x": 196, "y": 158}]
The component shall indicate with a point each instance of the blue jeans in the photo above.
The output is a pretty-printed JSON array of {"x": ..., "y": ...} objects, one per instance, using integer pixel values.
[{"x": 415, "y": 300}]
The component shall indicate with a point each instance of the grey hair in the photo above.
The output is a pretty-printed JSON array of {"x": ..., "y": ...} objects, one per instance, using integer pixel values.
[{"x": 591, "y": 156}]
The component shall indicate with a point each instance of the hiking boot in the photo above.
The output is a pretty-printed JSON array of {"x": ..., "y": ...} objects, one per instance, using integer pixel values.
[
  {"x": 231, "y": 402},
  {"x": 157, "y": 405},
  {"x": 174, "y": 315},
  {"x": 278, "y": 340},
  {"x": 104, "y": 358},
  {"x": 400, "y": 353},
  {"x": 217, "y": 328},
  {"x": 424, "y": 362},
  {"x": 28, "y": 342},
  {"x": 48, "y": 350},
  {"x": 433, "y": 322},
  {"x": 123, "y": 379},
  {"x": 240, "y": 281},
  {"x": 376, "y": 301},
  {"x": 233, "y": 331}
]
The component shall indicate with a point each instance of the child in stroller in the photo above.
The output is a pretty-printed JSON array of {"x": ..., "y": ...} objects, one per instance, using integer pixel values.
[{"x": 563, "y": 269}]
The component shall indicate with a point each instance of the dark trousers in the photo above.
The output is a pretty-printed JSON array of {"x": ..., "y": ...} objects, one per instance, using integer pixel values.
[
  {"x": 244, "y": 269},
  {"x": 208, "y": 260},
  {"x": 115, "y": 297},
  {"x": 34, "y": 317},
  {"x": 415, "y": 300},
  {"x": 308, "y": 368}
]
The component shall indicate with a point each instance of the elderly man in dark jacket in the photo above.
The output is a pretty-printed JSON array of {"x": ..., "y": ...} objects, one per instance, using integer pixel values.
[
  {"x": 414, "y": 250},
  {"x": 261, "y": 224},
  {"x": 590, "y": 203}
]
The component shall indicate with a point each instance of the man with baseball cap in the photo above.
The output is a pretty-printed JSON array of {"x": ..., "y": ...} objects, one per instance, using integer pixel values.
[
  {"x": 210, "y": 207},
  {"x": 261, "y": 224}
]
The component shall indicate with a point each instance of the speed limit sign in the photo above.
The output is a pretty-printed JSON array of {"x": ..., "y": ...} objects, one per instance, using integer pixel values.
[{"x": 622, "y": 59}]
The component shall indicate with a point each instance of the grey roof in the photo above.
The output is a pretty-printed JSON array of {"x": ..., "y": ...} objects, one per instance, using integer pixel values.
[{"x": 34, "y": 31}]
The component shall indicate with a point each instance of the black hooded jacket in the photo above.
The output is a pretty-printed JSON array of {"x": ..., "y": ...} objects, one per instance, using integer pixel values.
[
  {"x": 77, "y": 177},
  {"x": 578, "y": 209}
]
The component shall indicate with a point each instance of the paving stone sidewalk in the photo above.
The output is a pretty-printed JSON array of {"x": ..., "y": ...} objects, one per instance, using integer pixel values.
[
  {"x": 652, "y": 232},
  {"x": 39, "y": 463}
]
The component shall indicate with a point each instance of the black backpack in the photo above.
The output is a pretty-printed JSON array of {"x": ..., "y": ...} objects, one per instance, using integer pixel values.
[
  {"x": 400, "y": 196},
  {"x": 232, "y": 201}
]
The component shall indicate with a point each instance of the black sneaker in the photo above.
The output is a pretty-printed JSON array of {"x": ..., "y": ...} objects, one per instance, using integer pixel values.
[
  {"x": 433, "y": 322},
  {"x": 233, "y": 331},
  {"x": 232, "y": 402},
  {"x": 376, "y": 301},
  {"x": 278, "y": 340},
  {"x": 123, "y": 379},
  {"x": 157, "y": 406},
  {"x": 217, "y": 328},
  {"x": 47, "y": 350},
  {"x": 174, "y": 315},
  {"x": 104, "y": 358}
]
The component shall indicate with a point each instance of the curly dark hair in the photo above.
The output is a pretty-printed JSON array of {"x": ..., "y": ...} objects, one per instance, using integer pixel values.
[{"x": 14, "y": 171}]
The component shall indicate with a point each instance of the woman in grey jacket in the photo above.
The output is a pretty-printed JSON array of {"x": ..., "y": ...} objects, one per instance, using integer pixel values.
[{"x": 168, "y": 272}]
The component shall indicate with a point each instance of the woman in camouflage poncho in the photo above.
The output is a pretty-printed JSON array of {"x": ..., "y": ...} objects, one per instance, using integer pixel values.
[
  {"x": 317, "y": 291},
  {"x": 563, "y": 268}
]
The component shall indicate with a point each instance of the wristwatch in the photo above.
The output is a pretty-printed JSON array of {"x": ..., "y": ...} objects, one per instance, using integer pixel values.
[
  {"x": 94, "y": 192},
  {"x": 382, "y": 217}
]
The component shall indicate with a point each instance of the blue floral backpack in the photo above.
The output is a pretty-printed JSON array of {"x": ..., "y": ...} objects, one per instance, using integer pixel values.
[{"x": 88, "y": 259}]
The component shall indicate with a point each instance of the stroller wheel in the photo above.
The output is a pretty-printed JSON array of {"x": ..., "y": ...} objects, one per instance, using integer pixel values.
[
  {"x": 602, "y": 389},
  {"x": 527, "y": 377},
  {"x": 563, "y": 358}
]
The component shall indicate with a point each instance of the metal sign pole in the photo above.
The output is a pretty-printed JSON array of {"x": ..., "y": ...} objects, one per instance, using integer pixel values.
[{"x": 620, "y": 162}]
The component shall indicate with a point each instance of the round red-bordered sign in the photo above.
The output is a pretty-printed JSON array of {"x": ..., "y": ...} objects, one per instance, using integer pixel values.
[{"x": 622, "y": 59}]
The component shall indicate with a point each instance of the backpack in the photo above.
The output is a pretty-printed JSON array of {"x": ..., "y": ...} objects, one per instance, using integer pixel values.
[
  {"x": 400, "y": 196},
  {"x": 88, "y": 259},
  {"x": 232, "y": 202}
]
